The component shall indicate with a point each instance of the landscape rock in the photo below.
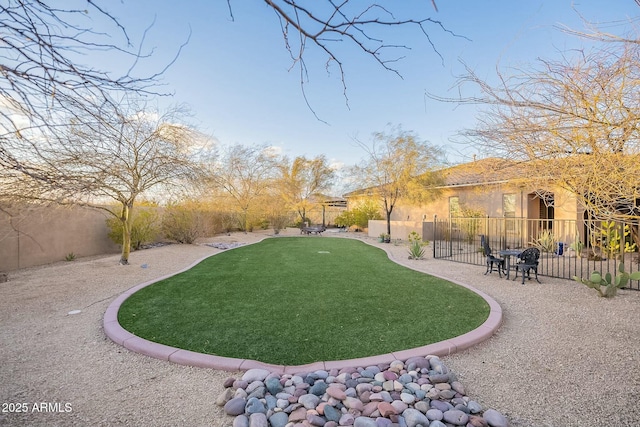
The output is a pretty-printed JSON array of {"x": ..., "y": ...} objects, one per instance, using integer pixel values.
[
  {"x": 495, "y": 418},
  {"x": 420, "y": 392},
  {"x": 414, "y": 418},
  {"x": 279, "y": 419},
  {"x": 255, "y": 375},
  {"x": 235, "y": 406},
  {"x": 456, "y": 417},
  {"x": 258, "y": 420},
  {"x": 241, "y": 421}
]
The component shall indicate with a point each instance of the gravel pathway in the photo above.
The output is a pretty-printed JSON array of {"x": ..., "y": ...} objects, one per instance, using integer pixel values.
[{"x": 563, "y": 357}]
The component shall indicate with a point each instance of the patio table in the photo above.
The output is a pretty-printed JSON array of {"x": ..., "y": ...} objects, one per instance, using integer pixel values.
[{"x": 507, "y": 254}]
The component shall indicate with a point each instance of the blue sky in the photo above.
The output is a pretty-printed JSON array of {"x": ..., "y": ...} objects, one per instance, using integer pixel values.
[{"x": 234, "y": 74}]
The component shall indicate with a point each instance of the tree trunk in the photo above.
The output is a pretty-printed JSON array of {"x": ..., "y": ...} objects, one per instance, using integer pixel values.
[
  {"x": 389, "y": 223},
  {"x": 125, "y": 218}
]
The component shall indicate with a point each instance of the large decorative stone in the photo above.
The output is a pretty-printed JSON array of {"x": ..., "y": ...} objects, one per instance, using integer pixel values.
[
  {"x": 456, "y": 417},
  {"x": 495, "y": 418},
  {"x": 256, "y": 374}
]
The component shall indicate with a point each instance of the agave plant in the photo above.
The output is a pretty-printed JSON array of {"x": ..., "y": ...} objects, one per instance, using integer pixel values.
[{"x": 608, "y": 285}]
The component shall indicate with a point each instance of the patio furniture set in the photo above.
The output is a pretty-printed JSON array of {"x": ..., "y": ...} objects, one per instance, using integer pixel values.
[{"x": 526, "y": 260}]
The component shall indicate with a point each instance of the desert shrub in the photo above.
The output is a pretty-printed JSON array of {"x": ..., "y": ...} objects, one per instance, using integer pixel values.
[
  {"x": 416, "y": 246},
  {"x": 471, "y": 222},
  {"x": 613, "y": 242},
  {"x": 546, "y": 241},
  {"x": 144, "y": 227},
  {"x": 359, "y": 216},
  {"x": 186, "y": 222}
]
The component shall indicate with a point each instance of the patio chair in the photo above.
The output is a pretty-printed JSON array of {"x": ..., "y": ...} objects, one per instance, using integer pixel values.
[
  {"x": 527, "y": 261},
  {"x": 491, "y": 260}
]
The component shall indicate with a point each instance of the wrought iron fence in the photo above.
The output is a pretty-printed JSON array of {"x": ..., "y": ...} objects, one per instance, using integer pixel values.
[{"x": 568, "y": 247}]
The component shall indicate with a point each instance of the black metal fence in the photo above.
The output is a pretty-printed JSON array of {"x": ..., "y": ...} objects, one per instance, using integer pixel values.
[{"x": 568, "y": 248}]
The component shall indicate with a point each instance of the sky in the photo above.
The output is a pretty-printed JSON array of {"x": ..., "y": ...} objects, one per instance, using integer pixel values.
[{"x": 237, "y": 78}]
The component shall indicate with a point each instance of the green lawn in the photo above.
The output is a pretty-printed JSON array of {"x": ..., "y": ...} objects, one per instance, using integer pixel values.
[{"x": 301, "y": 299}]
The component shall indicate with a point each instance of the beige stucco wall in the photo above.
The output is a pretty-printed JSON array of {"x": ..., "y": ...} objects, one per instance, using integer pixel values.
[
  {"x": 40, "y": 235},
  {"x": 399, "y": 229},
  {"x": 488, "y": 199}
]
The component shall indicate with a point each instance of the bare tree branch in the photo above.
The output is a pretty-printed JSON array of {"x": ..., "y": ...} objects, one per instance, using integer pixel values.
[{"x": 330, "y": 24}]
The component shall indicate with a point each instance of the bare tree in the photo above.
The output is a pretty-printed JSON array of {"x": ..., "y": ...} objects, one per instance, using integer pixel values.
[
  {"x": 573, "y": 122},
  {"x": 398, "y": 166},
  {"x": 117, "y": 158},
  {"x": 245, "y": 174},
  {"x": 302, "y": 179},
  {"x": 330, "y": 24},
  {"x": 43, "y": 79}
]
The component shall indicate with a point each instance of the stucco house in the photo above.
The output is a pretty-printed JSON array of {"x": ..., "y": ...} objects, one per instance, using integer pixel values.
[{"x": 494, "y": 188}]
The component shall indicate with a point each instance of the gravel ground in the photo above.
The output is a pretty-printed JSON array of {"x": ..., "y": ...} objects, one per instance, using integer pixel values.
[{"x": 563, "y": 357}]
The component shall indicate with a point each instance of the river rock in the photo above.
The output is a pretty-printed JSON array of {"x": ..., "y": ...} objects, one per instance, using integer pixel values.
[
  {"x": 434, "y": 414},
  {"x": 235, "y": 406},
  {"x": 318, "y": 388},
  {"x": 258, "y": 420},
  {"x": 386, "y": 409},
  {"x": 413, "y": 418},
  {"x": 364, "y": 422},
  {"x": 477, "y": 421},
  {"x": 279, "y": 419},
  {"x": 455, "y": 417},
  {"x": 495, "y": 418},
  {"x": 474, "y": 407},
  {"x": 336, "y": 392},
  {"x": 309, "y": 401},
  {"x": 315, "y": 420},
  {"x": 273, "y": 385},
  {"x": 255, "y": 374},
  {"x": 254, "y": 406},
  {"x": 297, "y": 415},
  {"x": 347, "y": 419},
  {"x": 331, "y": 413},
  {"x": 241, "y": 421},
  {"x": 225, "y": 396}
]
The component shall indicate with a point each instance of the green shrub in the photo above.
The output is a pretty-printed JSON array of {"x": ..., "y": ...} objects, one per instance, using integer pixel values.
[
  {"x": 416, "y": 246},
  {"x": 577, "y": 246},
  {"x": 612, "y": 239},
  {"x": 70, "y": 257},
  {"x": 359, "y": 216},
  {"x": 144, "y": 227},
  {"x": 470, "y": 222}
]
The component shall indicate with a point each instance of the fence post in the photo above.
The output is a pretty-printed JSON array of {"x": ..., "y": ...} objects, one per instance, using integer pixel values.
[{"x": 435, "y": 225}]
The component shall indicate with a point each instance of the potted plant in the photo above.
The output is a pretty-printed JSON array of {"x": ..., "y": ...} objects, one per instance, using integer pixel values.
[
  {"x": 381, "y": 238},
  {"x": 387, "y": 238}
]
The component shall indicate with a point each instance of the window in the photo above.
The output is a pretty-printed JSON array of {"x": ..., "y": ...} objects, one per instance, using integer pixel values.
[
  {"x": 509, "y": 205},
  {"x": 454, "y": 206},
  {"x": 509, "y": 211}
]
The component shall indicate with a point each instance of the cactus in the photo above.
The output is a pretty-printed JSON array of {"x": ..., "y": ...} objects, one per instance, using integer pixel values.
[{"x": 610, "y": 283}]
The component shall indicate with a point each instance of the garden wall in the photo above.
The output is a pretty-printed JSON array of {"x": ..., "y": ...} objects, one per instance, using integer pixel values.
[{"x": 31, "y": 235}]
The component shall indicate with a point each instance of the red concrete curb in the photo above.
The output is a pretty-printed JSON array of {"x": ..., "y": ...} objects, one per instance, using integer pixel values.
[{"x": 185, "y": 357}]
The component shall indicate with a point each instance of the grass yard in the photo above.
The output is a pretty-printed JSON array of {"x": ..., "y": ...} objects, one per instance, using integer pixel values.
[{"x": 296, "y": 300}]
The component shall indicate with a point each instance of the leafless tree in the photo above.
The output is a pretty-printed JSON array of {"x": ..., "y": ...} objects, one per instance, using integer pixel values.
[
  {"x": 245, "y": 174},
  {"x": 330, "y": 24},
  {"x": 116, "y": 158},
  {"x": 572, "y": 122},
  {"x": 43, "y": 80}
]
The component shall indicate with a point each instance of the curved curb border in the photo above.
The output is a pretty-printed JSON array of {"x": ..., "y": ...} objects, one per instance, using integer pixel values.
[{"x": 185, "y": 357}]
